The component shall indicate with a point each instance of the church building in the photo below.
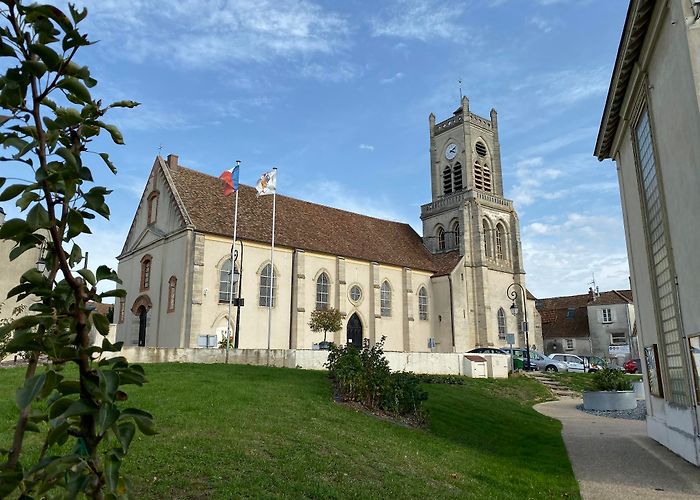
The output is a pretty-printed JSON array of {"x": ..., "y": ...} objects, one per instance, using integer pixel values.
[{"x": 443, "y": 292}]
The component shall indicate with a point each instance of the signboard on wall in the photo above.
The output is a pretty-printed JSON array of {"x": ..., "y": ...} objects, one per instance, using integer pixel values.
[
  {"x": 616, "y": 350},
  {"x": 510, "y": 338}
]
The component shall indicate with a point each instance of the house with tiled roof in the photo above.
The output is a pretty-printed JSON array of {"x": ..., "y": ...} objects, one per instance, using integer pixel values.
[
  {"x": 596, "y": 323},
  {"x": 445, "y": 291}
]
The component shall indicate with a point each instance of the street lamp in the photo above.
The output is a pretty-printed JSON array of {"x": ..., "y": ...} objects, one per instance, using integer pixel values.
[
  {"x": 238, "y": 300},
  {"x": 512, "y": 295}
]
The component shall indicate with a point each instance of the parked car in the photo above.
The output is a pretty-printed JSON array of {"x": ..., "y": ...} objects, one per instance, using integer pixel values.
[
  {"x": 594, "y": 363},
  {"x": 488, "y": 350},
  {"x": 521, "y": 354},
  {"x": 573, "y": 362},
  {"x": 547, "y": 364},
  {"x": 633, "y": 366}
]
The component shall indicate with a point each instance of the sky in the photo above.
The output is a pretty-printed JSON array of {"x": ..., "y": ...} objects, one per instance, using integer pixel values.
[{"x": 336, "y": 95}]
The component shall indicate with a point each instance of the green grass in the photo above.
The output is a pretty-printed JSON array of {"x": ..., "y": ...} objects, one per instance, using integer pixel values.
[{"x": 230, "y": 431}]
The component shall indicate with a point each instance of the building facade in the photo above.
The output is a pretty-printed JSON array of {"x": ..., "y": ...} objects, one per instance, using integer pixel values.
[
  {"x": 650, "y": 127},
  {"x": 595, "y": 324},
  {"x": 445, "y": 292}
]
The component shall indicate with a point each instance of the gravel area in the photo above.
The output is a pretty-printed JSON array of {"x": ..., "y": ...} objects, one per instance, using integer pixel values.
[{"x": 639, "y": 413}]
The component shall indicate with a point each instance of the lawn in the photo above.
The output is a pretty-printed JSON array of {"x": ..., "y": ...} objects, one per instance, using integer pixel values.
[
  {"x": 231, "y": 431},
  {"x": 580, "y": 382}
]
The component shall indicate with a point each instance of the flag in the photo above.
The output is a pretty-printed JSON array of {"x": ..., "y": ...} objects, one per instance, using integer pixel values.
[
  {"x": 230, "y": 178},
  {"x": 267, "y": 184}
]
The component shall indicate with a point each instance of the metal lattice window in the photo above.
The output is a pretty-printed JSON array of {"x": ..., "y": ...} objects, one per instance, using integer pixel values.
[
  {"x": 657, "y": 241},
  {"x": 225, "y": 282},
  {"x": 385, "y": 299},
  {"x": 458, "y": 177},
  {"x": 267, "y": 287},
  {"x": 441, "y": 239},
  {"x": 499, "y": 241},
  {"x": 422, "y": 304},
  {"x": 501, "y": 316},
  {"x": 322, "y": 300},
  {"x": 447, "y": 180}
]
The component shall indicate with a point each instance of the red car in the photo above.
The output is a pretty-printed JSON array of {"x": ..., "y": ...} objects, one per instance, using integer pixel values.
[{"x": 633, "y": 366}]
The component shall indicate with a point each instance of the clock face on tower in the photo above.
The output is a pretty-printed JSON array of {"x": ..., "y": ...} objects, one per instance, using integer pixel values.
[{"x": 451, "y": 151}]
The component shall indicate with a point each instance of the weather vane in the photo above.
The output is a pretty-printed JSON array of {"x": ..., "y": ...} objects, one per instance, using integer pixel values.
[{"x": 460, "y": 89}]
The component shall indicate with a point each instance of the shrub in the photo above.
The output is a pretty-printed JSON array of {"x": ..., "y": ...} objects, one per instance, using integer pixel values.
[
  {"x": 611, "y": 380},
  {"x": 363, "y": 375}
]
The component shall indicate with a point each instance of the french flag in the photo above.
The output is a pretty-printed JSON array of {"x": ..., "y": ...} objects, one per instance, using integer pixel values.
[{"x": 230, "y": 178}]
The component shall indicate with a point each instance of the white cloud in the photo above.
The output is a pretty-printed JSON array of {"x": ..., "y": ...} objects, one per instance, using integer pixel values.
[
  {"x": 398, "y": 76},
  {"x": 541, "y": 23},
  {"x": 421, "y": 20},
  {"x": 366, "y": 147},
  {"x": 341, "y": 72},
  {"x": 206, "y": 33}
]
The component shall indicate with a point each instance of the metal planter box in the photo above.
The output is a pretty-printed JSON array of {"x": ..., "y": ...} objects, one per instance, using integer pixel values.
[{"x": 609, "y": 400}]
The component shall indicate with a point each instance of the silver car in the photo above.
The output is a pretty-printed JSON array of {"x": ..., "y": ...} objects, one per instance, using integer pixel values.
[{"x": 547, "y": 364}]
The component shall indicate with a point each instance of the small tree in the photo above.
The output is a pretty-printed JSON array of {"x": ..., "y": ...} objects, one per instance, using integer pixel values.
[
  {"x": 50, "y": 119},
  {"x": 326, "y": 320}
]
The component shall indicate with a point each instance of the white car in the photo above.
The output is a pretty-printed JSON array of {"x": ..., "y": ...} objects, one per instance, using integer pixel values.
[
  {"x": 573, "y": 363},
  {"x": 546, "y": 363}
]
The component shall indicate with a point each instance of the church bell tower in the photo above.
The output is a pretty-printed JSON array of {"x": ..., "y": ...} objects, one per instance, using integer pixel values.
[{"x": 469, "y": 214}]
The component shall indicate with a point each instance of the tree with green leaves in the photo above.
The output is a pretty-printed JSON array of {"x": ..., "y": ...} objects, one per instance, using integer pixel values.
[
  {"x": 50, "y": 120},
  {"x": 326, "y": 320}
]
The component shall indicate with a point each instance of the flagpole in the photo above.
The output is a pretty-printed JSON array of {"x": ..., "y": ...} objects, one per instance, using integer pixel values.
[
  {"x": 230, "y": 273},
  {"x": 272, "y": 275}
]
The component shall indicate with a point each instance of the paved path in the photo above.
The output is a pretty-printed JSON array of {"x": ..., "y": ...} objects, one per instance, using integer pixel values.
[{"x": 614, "y": 458}]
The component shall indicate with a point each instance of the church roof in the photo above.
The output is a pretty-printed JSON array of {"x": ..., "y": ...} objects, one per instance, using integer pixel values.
[{"x": 303, "y": 225}]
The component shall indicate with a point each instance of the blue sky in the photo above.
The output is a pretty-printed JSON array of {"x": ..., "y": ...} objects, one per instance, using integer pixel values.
[{"x": 337, "y": 96}]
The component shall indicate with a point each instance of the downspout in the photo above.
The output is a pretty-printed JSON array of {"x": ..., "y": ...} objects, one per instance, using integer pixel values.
[
  {"x": 293, "y": 299},
  {"x": 452, "y": 316}
]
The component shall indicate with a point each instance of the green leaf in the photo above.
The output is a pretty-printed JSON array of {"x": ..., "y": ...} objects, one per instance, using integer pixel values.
[
  {"x": 125, "y": 433},
  {"x": 107, "y": 346},
  {"x": 68, "y": 157},
  {"x": 88, "y": 276},
  {"x": 31, "y": 388},
  {"x": 12, "y": 191},
  {"x": 76, "y": 224},
  {"x": 76, "y": 14},
  {"x": 38, "y": 217},
  {"x": 113, "y": 131},
  {"x": 26, "y": 199},
  {"x": 117, "y": 292},
  {"x": 112, "y": 465},
  {"x": 76, "y": 255},
  {"x": 2, "y": 180},
  {"x": 101, "y": 323},
  {"x": 47, "y": 55},
  {"x": 36, "y": 68},
  {"x": 124, "y": 104},
  {"x": 107, "y": 415},
  {"x": 142, "y": 419},
  {"x": 108, "y": 162},
  {"x": 6, "y": 50},
  {"x": 34, "y": 12},
  {"x": 67, "y": 387},
  {"x": 79, "y": 407},
  {"x": 105, "y": 273},
  {"x": 13, "y": 227},
  {"x": 75, "y": 87},
  {"x": 34, "y": 277}
]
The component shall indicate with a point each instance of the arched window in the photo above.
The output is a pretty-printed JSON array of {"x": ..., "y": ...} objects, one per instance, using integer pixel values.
[
  {"x": 267, "y": 287},
  {"x": 456, "y": 234},
  {"x": 225, "y": 279},
  {"x": 441, "y": 239},
  {"x": 487, "y": 238},
  {"x": 152, "y": 206},
  {"x": 487, "y": 178},
  {"x": 501, "y": 324},
  {"x": 480, "y": 149},
  {"x": 146, "y": 272},
  {"x": 478, "y": 176},
  {"x": 172, "y": 286},
  {"x": 385, "y": 299},
  {"x": 458, "y": 177},
  {"x": 322, "y": 300},
  {"x": 447, "y": 180},
  {"x": 422, "y": 303},
  {"x": 499, "y": 241}
]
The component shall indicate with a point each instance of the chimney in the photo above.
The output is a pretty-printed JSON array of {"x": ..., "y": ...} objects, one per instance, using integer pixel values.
[
  {"x": 591, "y": 295},
  {"x": 172, "y": 162},
  {"x": 2, "y": 216}
]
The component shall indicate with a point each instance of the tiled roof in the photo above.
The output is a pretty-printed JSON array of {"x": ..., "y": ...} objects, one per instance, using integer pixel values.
[
  {"x": 302, "y": 225},
  {"x": 554, "y": 312}
]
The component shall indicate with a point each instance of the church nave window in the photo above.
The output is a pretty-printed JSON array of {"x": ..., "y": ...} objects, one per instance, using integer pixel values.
[
  {"x": 225, "y": 282},
  {"x": 385, "y": 299},
  {"x": 267, "y": 287},
  {"x": 422, "y": 303},
  {"x": 456, "y": 235},
  {"x": 458, "y": 177},
  {"x": 172, "y": 287},
  {"x": 441, "y": 239},
  {"x": 447, "y": 180},
  {"x": 478, "y": 177},
  {"x": 322, "y": 300},
  {"x": 146, "y": 273},
  {"x": 487, "y": 239}
]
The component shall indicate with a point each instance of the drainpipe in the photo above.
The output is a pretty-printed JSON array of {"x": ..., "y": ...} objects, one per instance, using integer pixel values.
[{"x": 452, "y": 316}]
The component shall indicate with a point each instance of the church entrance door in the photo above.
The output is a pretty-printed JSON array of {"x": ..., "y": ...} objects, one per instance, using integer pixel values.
[
  {"x": 355, "y": 331},
  {"x": 142, "y": 326}
]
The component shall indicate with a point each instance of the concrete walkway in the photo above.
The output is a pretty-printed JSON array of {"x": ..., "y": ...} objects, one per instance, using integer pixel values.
[{"x": 614, "y": 458}]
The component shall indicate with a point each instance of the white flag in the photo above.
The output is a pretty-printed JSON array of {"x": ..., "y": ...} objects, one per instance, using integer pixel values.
[{"x": 267, "y": 184}]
